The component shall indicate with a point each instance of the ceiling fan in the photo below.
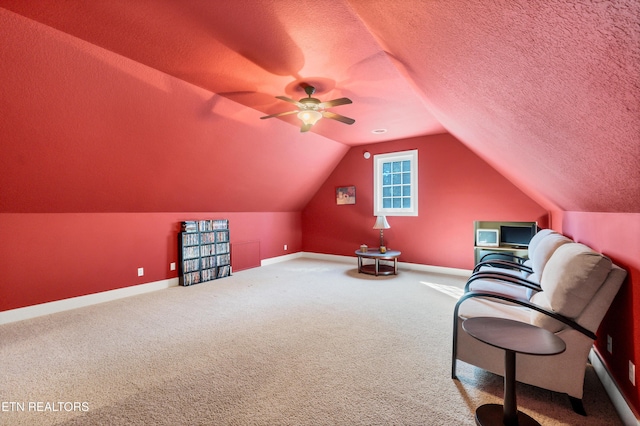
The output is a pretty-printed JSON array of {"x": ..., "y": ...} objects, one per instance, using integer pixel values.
[{"x": 310, "y": 110}]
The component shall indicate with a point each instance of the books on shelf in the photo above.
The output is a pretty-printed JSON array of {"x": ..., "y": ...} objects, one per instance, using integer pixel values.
[{"x": 204, "y": 251}]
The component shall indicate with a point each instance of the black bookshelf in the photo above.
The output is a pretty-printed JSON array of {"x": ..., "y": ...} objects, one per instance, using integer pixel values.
[{"x": 205, "y": 252}]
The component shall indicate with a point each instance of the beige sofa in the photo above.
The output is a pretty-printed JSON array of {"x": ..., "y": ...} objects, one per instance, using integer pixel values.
[
  {"x": 577, "y": 287},
  {"x": 520, "y": 279}
]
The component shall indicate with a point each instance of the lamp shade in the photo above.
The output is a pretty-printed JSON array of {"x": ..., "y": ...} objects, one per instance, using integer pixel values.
[
  {"x": 381, "y": 223},
  {"x": 309, "y": 117}
]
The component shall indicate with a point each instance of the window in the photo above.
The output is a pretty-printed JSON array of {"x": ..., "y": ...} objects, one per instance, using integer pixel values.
[{"x": 395, "y": 184}]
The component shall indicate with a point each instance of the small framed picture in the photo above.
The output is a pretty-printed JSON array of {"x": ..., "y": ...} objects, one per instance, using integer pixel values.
[
  {"x": 346, "y": 195},
  {"x": 488, "y": 237}
]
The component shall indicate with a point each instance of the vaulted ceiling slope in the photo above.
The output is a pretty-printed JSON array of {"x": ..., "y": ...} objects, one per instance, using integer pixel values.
[{"x": 546, "y": 91}]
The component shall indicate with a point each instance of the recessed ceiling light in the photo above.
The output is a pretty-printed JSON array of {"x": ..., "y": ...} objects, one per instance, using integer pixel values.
[{"x": 379, "y": 131}]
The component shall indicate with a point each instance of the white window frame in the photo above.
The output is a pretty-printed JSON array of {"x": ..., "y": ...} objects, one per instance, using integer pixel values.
[{"x": 378, "y": 161}]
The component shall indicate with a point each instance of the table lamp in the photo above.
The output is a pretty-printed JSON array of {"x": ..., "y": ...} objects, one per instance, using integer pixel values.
[{"x": 381, "y": 224}]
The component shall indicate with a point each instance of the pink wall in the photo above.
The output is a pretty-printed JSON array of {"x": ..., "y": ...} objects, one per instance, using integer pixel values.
[
  {"x": 456, "y": 188},
  {"x": 52, "y": 256},
  {"x": 616, "y": 235}
]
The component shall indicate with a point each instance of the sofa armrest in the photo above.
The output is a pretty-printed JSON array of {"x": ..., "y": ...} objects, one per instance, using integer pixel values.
[
  {"x": 502, "y": 256},
  {"x": 500, "y": 263},
  {"x": 567, "y": 321},
  {"x": 495, "y": 275}
]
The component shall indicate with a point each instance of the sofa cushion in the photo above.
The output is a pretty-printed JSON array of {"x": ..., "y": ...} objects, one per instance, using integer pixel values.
[
  {"x": 572, "y": 276},
  {"x": 542, "y": 320},
  {"x": 539, "y": 236},
  {"x": 544, "y": 249},
  {"x": 481, "y": 307},
  {"x": 504, "y": 288}
]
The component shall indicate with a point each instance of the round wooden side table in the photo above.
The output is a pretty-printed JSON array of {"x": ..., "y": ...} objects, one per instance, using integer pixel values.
[
  {"x": 514, "y": 337},
  {"x": 378, "y": 268}
]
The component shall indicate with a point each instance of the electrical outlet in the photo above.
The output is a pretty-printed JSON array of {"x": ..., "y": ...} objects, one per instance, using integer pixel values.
[
  {"x": 140, "y": 272},
  {"x": 609, "y": 344},
  {"x": 172, "y": 266},
  {"x": 285, "y": 246},
  {"x": 632, "y": 373}
]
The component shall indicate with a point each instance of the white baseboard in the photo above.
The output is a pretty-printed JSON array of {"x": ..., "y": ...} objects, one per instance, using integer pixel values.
[
  {"x": 278, "y": 259},
  {"x": 330, "y": 257},
  {"x": 34, "y": 311},
  {"x": 401, "y": 265},
  {"x": 82, "y": 301},
  {"x": 435, "y": 269},
  {"x": 619, "y": 402}
]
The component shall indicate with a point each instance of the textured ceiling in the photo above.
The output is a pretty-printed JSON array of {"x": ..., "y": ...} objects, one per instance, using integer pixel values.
[
  {"x": 250, "y": 51},
  {"x": 546, "y": 91}
]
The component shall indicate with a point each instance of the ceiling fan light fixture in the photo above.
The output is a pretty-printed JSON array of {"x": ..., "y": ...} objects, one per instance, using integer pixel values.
[
  {"x": 309, "y": 118},
  {"x": 310, "y": 110}
]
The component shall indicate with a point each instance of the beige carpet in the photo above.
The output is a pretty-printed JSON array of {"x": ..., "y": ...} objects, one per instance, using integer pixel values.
[{"x": 303, "y": 342}]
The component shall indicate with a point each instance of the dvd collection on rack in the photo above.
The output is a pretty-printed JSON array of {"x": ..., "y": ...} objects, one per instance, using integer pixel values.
[
  {"x": 191, "y": 265},
  {"x": 205, "y": 251},
  {"x": 204, "y": 225},
  {"x": 190, "y": 239}
]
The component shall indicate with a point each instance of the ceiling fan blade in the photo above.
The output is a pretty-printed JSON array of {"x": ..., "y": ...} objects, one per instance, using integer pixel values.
[
  {"x": 279, "y": 114},
  {"x": 342, "y": 118},
  {"x": 306, "y": 127},
  {"x": 284, "y": 98},
  {"x": 335, "y": 102}
]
